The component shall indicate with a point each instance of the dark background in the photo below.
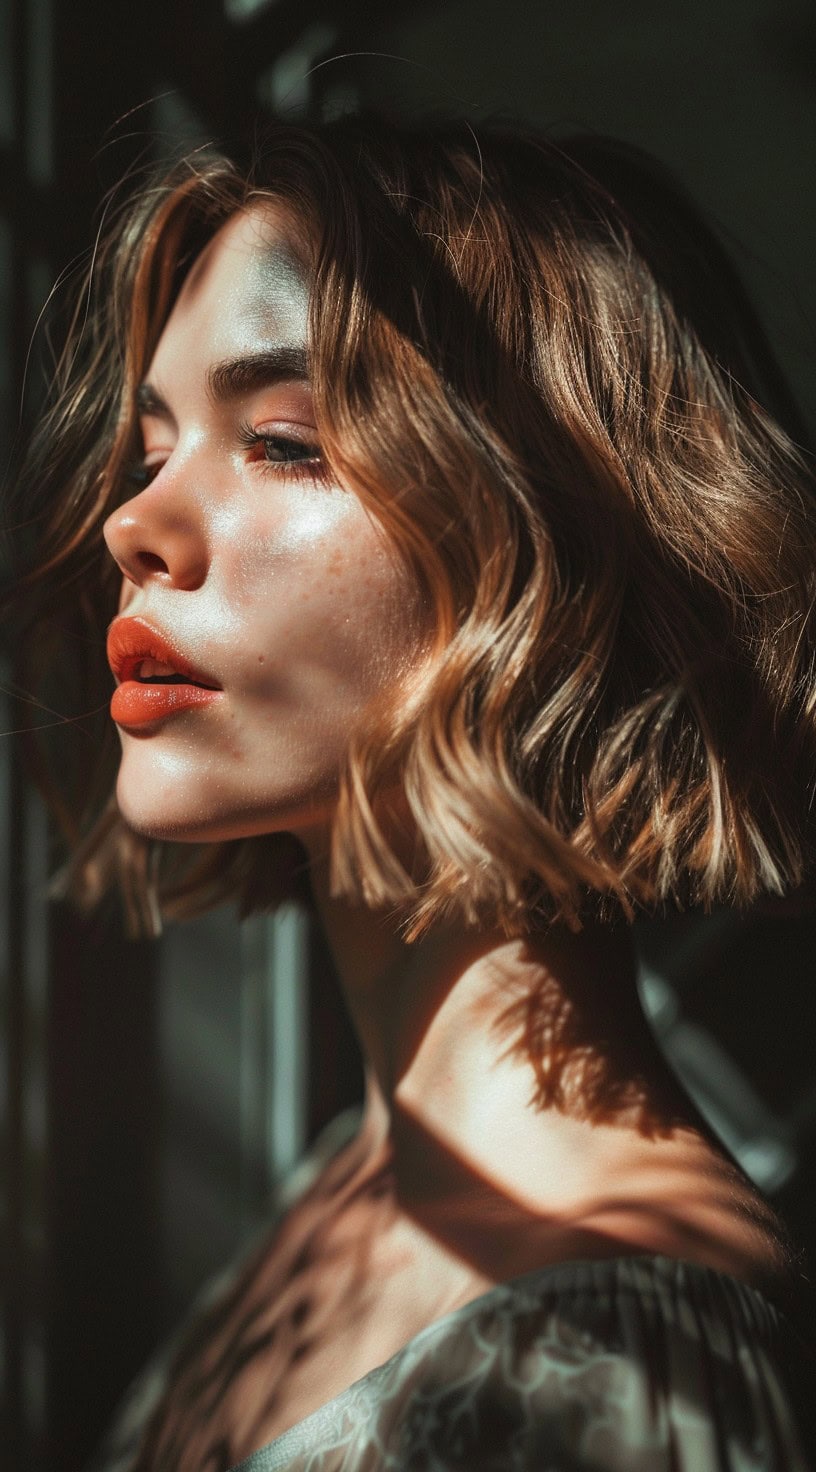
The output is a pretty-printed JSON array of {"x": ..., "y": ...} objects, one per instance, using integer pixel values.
[{"x": 141, "y": 1133}]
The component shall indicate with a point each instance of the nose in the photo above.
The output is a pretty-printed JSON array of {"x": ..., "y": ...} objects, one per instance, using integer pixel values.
[{"x": 158, "y": 535}]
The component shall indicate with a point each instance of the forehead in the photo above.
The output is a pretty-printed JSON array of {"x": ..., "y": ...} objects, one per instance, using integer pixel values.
[{"x": 249, "y": 288}]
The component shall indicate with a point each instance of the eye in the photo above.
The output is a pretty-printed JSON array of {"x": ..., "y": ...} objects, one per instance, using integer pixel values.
[
  {"x": 282, "y": 453},
  {"x": 279, "y": 450},
  {"x": 142, "y": 470}
]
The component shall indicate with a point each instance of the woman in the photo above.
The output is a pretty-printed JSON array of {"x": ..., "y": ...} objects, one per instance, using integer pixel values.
[{"x": 464, "y": 582}]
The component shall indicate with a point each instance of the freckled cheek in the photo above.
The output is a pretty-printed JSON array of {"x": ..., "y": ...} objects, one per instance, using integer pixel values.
[{"x": 319, "y": 594}]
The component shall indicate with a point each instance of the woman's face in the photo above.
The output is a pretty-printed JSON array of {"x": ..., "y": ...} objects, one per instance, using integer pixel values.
[{"x": 245, "y": 566}]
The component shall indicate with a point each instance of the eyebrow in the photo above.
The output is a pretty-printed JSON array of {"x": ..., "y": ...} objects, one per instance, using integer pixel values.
[{"x": 234, "y": 377}]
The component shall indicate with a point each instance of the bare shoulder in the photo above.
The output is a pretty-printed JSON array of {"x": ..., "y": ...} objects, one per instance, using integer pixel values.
[
  {"x": 688, "y": 1199},
  {"x": 260, "y": 1352}
]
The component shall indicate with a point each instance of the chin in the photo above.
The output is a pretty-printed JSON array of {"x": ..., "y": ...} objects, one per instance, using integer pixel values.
[
  {"x": 164, "y": 824},
  {"x": 178, "y": 820}
]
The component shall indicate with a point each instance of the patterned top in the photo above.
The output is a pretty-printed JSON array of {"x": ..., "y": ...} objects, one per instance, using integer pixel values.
[
  {"x": 637, "y": 1364},
  {"x": 626, "y": 1364}
]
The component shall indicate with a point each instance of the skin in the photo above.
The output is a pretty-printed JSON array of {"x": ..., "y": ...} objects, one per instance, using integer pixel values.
[
  {"x": 270, "y": 578},
  {"x": 280, "y": 585}
]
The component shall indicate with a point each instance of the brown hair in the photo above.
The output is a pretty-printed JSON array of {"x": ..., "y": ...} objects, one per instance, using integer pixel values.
[{"x": 534, "y": 362}]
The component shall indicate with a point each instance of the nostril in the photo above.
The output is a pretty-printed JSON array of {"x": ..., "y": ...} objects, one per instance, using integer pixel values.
[{"x": 149, "y": 562}]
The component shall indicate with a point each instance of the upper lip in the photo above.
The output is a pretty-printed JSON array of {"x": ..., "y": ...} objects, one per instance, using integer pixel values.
[{"x": 131, "y": 640}]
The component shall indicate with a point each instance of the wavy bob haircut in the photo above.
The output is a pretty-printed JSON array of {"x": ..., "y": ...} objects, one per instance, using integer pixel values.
[{"x": 535, "y": 365}]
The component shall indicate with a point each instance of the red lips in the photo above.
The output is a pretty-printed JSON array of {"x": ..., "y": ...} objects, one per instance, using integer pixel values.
[{"x": 131, "y": 642}]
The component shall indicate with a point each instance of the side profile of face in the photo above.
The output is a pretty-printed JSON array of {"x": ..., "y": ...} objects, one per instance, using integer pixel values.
[{"x": 246, "y": 569}]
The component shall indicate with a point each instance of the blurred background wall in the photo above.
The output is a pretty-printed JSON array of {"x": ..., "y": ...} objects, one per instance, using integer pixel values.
[{"x": 152, "y": 1094}]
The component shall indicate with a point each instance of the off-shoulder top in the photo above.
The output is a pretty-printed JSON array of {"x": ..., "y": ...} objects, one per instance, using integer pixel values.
[{"x": 638, "y": 1363}]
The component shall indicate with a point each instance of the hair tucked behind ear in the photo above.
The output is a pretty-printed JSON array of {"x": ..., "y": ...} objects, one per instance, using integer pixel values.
[{"x": 534, "y": 363}]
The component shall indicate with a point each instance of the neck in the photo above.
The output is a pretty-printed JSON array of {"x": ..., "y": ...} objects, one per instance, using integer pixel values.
[{"x": 485, "y": 1054}]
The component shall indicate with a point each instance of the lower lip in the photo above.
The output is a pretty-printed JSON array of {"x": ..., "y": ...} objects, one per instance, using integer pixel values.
[{"x": 135, "y": 704}]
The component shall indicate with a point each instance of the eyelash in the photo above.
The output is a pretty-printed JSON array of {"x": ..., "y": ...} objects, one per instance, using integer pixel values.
[{"x": 311, "y": 467}]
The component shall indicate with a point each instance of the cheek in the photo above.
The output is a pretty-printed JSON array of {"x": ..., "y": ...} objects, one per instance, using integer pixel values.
[{"x": 320, "y": 604}]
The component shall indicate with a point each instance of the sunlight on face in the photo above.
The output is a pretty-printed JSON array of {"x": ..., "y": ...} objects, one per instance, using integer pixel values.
[{"x": 247, "y": 569}]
